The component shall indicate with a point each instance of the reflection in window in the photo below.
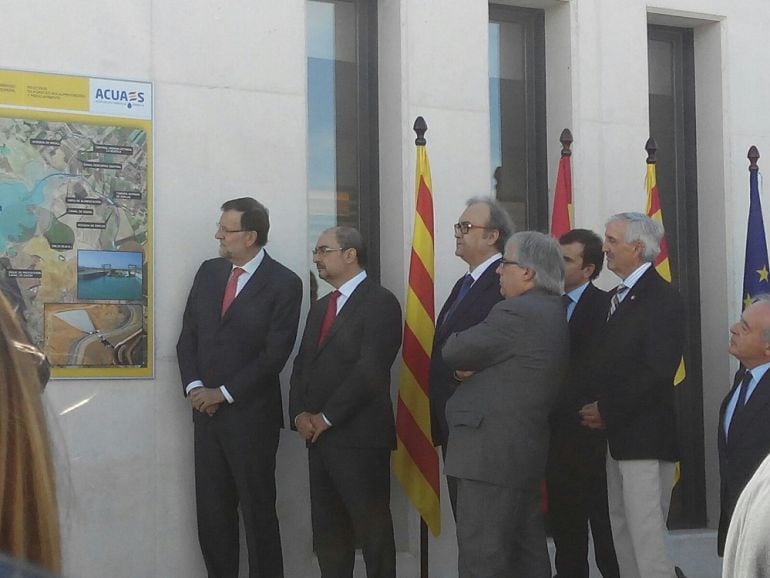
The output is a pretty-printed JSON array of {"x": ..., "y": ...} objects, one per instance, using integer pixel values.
[
  {"x": 342, "y": 157},
  {"x": 518, "y": 176},
  {"x": 333, "y": 188}
]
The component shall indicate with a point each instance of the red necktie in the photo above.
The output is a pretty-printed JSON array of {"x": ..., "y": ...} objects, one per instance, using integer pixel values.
[
  {"x": 331, "y": 313},
  {"x": 230, "y": 289}
]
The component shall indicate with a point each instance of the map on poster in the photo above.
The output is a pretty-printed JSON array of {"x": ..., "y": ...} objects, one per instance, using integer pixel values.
[{"x": 75, "y": 219}]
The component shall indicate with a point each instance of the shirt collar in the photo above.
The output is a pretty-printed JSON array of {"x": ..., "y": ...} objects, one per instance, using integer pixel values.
[
  {"x": 479, "y": 270},
  {"x": 759, "y": 371},
  {"x": 350, "y": 285},
  {"x": 631, "y": 280},
  {"x": 577, "y": 292},
  {"x": 254, "y": 263}
]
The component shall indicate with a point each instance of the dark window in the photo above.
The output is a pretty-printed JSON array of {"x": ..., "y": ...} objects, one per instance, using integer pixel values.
[
  {"x": 518, "y": 172},
  {"x": 672, "y": 125},
  {"x": 342, "y": 171}
]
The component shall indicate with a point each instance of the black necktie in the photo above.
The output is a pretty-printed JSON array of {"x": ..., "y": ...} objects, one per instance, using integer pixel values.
[
  {"x": 744, "y": 387},
  {"x": 566, "y": 301}
]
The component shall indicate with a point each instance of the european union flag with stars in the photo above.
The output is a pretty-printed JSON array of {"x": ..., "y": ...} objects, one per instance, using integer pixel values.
[{"x": 755, "y": 275}]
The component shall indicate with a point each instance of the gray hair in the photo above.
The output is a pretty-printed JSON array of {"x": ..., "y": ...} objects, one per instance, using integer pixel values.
[
  {"x": 640, "y": 227},
  {"x": 542, "y": 254},
  {"x": 350, "y": 238},
  {"x": 763, "y": 298},
  {"x": 499, "y": 219}
]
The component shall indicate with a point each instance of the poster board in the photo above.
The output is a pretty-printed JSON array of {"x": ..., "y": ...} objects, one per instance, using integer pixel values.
[{"x": 76, "y": 219}]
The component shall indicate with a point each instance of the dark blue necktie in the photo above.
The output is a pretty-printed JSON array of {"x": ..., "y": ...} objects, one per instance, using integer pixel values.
[
  {"x": 744, "y": 387},
  {"x": 464, "y": 288}
]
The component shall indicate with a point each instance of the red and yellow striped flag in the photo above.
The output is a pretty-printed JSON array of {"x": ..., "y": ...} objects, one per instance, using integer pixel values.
[
  {"x": 662, "y": 265},
  {"x": 415, "y": 461}
]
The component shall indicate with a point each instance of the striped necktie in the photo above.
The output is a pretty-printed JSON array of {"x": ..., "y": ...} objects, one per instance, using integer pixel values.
[{"x": 615, "y": 301}]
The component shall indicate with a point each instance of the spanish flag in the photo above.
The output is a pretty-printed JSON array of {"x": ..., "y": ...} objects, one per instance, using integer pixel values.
[{"x": 562, "y": 215}]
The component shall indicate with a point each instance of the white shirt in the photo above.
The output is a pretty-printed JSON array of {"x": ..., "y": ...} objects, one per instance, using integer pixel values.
[
  {"x": 249, "y": 268},
  {"x": 631, "y": 280},
  {"x": 479, "y": 270},
  {"x": 347, "y": 288}
]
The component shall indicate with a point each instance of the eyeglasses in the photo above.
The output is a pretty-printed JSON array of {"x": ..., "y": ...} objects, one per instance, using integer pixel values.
[
  {"x": 323, "y": 251},
  {"x": 224, "y": 231},
  {"x": 465, "y": 227},
  {"x": 504, "y": 262}
]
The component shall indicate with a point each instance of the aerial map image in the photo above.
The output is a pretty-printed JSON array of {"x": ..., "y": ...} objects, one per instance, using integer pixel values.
[
  {"x": 74, "y": 227},
  {"x": 94, "y": 335}
]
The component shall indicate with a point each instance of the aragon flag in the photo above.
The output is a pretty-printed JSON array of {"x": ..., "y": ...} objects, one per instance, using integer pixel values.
[
  {"x": 755, "y": 272},
  {"x": 415, "y": 461}
]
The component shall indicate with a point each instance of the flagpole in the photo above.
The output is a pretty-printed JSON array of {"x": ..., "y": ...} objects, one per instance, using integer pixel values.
[
  {"x": 651, "y": 147},
  {"x": 420, "y": 128},
  {"x": 753, "y": 157}
]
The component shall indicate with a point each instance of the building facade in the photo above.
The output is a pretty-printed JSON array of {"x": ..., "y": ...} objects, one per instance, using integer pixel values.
[{"x": 308, "y": 106}]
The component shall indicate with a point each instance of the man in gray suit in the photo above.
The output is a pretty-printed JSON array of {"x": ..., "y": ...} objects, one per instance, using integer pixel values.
[{"x": 511, "y": 366}]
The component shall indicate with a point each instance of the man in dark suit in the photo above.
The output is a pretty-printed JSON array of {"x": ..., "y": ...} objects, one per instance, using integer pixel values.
[
  {"x": 512, "y": 365},
  {"x": 238, "y": 330},
  {"x": 480, "y": 237},
  {"x": 631, "y": 375},
  {"x": 744, "y": 417},
  {"x": 340, "y": 404},
  {"x": 576, "y": 474}
]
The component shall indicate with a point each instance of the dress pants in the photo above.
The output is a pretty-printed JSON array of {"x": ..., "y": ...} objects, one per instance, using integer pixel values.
[
  {"x": 451, "y": 484},
  {"x": 350, "y": 504},
  {"x": 639, "y": 493},
  {"x": 577, "y": 495},
  {"x": 235, "y": 466},
  {"x": 500, "y": 531}
]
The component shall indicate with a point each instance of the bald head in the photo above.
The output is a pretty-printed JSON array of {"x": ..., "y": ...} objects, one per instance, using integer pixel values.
[{"x": 750, "y": 335}]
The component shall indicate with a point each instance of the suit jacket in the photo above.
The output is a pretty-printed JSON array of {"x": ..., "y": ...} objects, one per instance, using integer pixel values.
[
  {"x": 246, "y": 349},
  {"x": 473, "y": 309},
  {"x": 633, "y": 363},
  {"x": 498, "y": 418},
  {"x": 571, "y": 442},
  {"x": 347, "y": 377},
  {"x": 742, "y": 452}
]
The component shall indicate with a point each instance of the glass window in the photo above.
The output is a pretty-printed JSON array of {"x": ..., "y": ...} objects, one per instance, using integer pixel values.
[
  {"x": 672, "y": 125},
  {"x": 342, "y": 169},
  {"x": 518, "y": 173}
]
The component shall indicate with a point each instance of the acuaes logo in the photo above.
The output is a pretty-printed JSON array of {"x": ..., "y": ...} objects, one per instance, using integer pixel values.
[{"x": 129, "y": 97}]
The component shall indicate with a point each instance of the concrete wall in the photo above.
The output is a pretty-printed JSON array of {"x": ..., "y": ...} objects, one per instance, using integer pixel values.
[{"x": 230, "y": 119}]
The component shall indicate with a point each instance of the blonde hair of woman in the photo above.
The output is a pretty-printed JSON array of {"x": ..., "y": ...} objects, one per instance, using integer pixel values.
[{"x": 29, "y": 525}]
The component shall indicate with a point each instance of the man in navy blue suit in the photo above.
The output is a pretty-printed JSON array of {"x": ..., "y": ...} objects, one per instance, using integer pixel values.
[
  {"x": 576, "y": 474},
  {"x": 480, "y": 237},
  {"x": 238, "y": 330},
  {"x": 744, "y": 416}
]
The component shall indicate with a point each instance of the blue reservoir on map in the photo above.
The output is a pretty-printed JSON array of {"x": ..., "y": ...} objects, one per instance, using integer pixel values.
[{"x": 17, "y": 218}]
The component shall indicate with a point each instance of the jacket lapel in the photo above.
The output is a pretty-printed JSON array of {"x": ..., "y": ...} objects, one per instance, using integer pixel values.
[
  {"x": 488, "y": 277},
  {"x": 637, "y": 292},
  {"x": 722, "y": 438},
  {"x": 759, "y": 399},
  {"x": 256, "y": 282},
  {"x": 347, "y": 312}
]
